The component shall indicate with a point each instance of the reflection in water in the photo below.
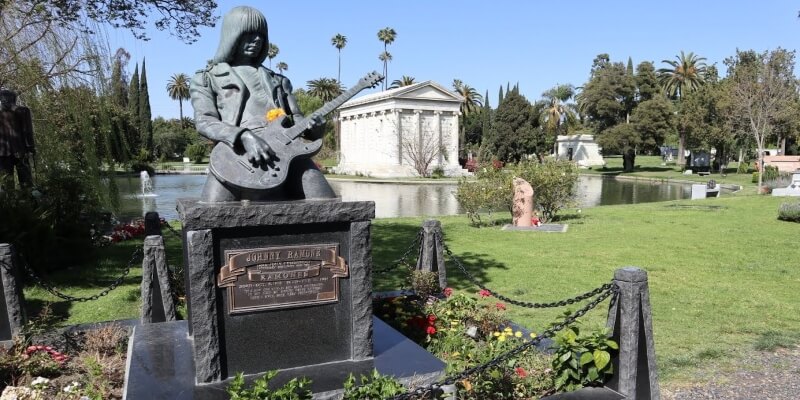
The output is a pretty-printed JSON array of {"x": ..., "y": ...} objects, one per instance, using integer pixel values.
[{"x": 393, "y": 199}]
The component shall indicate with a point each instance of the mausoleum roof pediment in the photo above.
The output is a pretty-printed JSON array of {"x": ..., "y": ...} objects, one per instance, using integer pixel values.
[{"x": 428, "y": 90}]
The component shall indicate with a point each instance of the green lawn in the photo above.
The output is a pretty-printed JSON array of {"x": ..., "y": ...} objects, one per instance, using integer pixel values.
[{"x": 723, "y": 272}]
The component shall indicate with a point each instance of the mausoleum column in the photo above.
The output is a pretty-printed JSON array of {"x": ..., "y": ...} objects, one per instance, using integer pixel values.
[
  {"x": 437, "y": 116},
  {"x": 398, "y": 123},
  {"x": 418, "y": 124}
]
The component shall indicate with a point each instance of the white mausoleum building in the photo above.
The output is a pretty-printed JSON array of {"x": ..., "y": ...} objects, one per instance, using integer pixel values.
[
  {"x": 385, "y": 134},
  {"x": 581, "y": 149}
]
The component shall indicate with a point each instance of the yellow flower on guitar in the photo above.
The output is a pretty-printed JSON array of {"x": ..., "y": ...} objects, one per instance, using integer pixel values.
[{"x": 274, "y": 114}]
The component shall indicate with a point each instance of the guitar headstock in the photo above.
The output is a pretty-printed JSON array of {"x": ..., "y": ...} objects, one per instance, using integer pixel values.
[{"x": 371, "y": 79}]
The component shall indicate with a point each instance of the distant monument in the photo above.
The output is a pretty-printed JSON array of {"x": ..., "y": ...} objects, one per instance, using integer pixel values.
[
  {"x": 582, "y": 149},
  {"x": 16, "y": 139},
  {"x": 522, "y": 209}
]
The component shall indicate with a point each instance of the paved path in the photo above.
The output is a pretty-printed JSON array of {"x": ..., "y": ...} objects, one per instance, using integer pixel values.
[{"x": 767, "y": 375}]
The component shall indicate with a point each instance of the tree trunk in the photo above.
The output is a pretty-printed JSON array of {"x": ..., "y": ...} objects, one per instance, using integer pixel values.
[
  {"x": 681, "y": 161},
  {"x": 628, "y": 158},
  {"x": 180, "y": 107}
]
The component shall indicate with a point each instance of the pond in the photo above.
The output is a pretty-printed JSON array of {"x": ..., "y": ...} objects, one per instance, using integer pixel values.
[{"x": 395, "y": 199}]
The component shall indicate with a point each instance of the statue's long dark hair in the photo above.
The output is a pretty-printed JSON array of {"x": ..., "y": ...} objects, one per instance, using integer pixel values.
[{"x": 237, "y": 22}]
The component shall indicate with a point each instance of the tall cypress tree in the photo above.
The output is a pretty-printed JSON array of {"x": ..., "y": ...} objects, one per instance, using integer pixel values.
[
  {"x": 500, "y": 97},
  {"x": 145, "y": 121},
  {"x": 119, "y": 102},
  {"x": 133, "y": 109}
]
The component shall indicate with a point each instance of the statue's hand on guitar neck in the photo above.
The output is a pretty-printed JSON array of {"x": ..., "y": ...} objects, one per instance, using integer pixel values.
[
  {"x": 315, "y": 126},
  {"x": 256, "y": 149}
]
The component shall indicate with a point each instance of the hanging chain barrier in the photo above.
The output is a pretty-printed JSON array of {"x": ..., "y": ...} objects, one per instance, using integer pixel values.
[
  {"x": 611, "y": 288},
  {"x": 471, "y": 278},
  {"x": 171, "y": 229},
  {"x": 403, "y": 260},
  {"x": 55, "y": 292}
]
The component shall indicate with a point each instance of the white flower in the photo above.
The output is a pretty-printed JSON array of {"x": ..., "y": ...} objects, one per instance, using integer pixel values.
[
  {"x": 40, "y": 382},
  {"x": 72, "y": 387}
]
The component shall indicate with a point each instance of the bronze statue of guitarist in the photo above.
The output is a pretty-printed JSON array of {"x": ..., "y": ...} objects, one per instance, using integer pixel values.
[{"x": 231, "y": 98}]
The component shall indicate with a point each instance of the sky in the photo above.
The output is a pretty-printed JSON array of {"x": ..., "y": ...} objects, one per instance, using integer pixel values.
[{"x": 486, "y": 44}]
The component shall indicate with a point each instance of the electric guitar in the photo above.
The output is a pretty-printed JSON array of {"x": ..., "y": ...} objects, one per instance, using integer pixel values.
[{"x": 231, "y": 166}]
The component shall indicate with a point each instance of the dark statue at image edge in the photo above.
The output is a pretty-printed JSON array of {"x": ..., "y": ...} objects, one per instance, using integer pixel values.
[
  {"x": 256, "y": 157},
  {"x": 16, "y": 141}
]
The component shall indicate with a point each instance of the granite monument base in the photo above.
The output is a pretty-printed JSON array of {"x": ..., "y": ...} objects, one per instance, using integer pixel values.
[
  {"x": 277, "y": 285},
  {"x": 160, "y": 365}
]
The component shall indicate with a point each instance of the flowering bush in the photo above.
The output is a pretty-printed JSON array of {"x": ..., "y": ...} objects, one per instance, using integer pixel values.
[{"x": 466, "y": 331}]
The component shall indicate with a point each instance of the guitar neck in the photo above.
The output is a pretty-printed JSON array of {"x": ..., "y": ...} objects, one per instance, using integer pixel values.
[{"x": 333, "y": 104}]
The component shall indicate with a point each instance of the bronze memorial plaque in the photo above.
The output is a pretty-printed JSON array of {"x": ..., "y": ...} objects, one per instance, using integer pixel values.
[{"x": 281, "y": 277}]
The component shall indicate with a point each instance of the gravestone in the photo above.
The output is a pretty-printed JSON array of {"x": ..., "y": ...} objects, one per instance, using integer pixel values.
[
  {"x": 792, "y": 190},
  {"x": 522, "y": 209},
  {"x": 280, "y": 285}
]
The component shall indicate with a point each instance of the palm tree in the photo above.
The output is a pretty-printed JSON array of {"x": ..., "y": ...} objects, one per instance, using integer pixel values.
[
  {"x": 472, "y": 99},
  {"x": 403, "y": 81},
  {"x": 557, "y": 112},
  {"x": 339, "y": 41},
  {"x": 684, "y": 75},
  {"x": 178, "y": 89},
  {"x": 326, "y": 89},
  {"x": 281, "y": 66},
  {"x": 272, "y": 52},
  {"x": 385, "y": 57},
  {"x": 387, "y": 36}
]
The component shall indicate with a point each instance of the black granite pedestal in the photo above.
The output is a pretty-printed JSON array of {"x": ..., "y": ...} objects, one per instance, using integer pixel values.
[
  {"x": 278, "y": 286},
  {"x": 161, "y": 366}
]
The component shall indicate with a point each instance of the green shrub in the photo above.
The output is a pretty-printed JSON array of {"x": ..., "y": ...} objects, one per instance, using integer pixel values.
[
  {"x": 295, "y": 389},
  {"x": 375, "y": 386},
  {"x": 770, "y": 174},
  {"x": 488, "y": 193},
  {"x": 425, "y": 283},
  {"x": 196, "y": 152},
  {"x": 789, "y": 212},
  {"x": 582, "y": 358},
  {"x": 553, "y": 182}
]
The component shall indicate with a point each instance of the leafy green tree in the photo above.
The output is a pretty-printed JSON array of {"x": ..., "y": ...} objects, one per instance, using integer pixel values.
[
  {"x": 515, "y": 132},
  {"x": 702, "y": 118},
  {"x": 272, "y": 52},
  {"x": 603, "y": 97},
  {"x": 647, "y": 86},
  {"x": 134, "y": 139},
  {"x": 685, "y": 74},
  {"x": 621, "y": 138},
  {"x": 387, "y": 36},
  {"x": 145, "y": 117},
  {"x": 654, "y": 121},
  {"x": 339, "y": 41},
  {"x": 326, "y": 89},
  {"x": 763, "y": 92},
  {"x": 178, "y": 89},
  {"x": 171, "y": 137}
]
